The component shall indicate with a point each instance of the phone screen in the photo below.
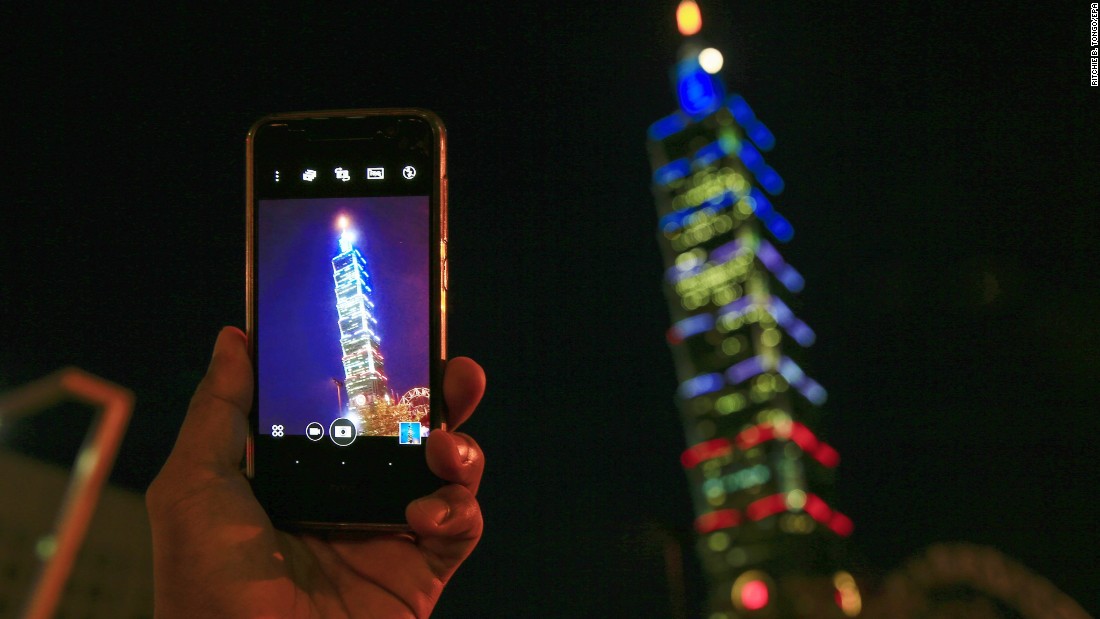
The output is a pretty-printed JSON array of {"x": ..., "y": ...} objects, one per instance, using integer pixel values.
[
  {"x": 343, "y": 298},
  {"x": 346, "y": 317}
]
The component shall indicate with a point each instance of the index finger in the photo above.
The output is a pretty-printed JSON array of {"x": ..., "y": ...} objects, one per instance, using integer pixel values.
[{"x": 213, "y": 432}]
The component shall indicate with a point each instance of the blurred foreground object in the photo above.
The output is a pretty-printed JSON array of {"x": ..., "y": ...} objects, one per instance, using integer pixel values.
[
  {"x": 31, "y": 487},
  {"x": 967, "y": 580}
]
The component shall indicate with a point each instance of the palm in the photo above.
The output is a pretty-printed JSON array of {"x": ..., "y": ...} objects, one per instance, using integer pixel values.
[{"x": 216, "y": 552}]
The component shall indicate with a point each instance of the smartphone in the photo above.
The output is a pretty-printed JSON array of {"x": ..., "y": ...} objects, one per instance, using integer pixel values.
[{"x": 346, "y": 275}]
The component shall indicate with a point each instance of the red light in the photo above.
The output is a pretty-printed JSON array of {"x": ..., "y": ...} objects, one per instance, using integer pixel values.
[
  {"x": 800, "y": 435},
  {"x": 767, "y": 506},
  {"x": 721, "y": 519},
  {"x": 705, "y": 451},
  {"x": 754, "y": 595},
  {"x": 817, "y": 509},
  {"x": 841, "y": 524}
]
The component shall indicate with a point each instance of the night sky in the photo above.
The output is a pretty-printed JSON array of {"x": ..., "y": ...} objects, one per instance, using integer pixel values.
[{"x": 940, "y": 162}]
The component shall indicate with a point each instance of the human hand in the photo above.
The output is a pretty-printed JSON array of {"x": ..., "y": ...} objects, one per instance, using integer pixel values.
[{"x": 216, "y": 553}]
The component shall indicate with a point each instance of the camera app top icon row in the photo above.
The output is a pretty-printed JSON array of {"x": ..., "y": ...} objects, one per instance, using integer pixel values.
[{"x": 345, "y": 175}]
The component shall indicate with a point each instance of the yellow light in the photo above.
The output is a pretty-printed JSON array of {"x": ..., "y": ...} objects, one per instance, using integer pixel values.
[
  {"x": 342, "y": 222},
  {"x": 851, "y": 602},
  {"x": 731, "y": 346},
  {"x": 719, "y": 541},
  {"x": 710, "y": 60},
  {"x": 770, "y": 337},
  {"x": 796, "y": 499},
  {"x": 688, "y": 18}
]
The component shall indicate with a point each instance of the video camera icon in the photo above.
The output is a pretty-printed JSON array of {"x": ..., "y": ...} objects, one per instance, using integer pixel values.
[
  {"x": 315, "y": 431},
  {"x": 342, "y": 432}
]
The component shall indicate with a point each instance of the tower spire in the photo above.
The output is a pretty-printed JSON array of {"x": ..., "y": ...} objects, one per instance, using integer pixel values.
[{"x": 688, "y": 18}]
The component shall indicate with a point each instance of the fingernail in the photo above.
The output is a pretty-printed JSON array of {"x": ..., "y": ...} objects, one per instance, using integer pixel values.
[
  {"x": 223, "y": 340},
  {"x": 462, "y": 447},
  {"x": 436, "y": 509}
]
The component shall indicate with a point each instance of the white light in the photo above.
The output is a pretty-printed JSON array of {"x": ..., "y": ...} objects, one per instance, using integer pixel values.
[{"x": 711, "y": 60}]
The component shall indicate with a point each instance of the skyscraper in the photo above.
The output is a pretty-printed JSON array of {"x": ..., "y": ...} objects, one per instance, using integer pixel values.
[
  {"x": 768, "y": 535},
  {"x": 364, "y": 369}
]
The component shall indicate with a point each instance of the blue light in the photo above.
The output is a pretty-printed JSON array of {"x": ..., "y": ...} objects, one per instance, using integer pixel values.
[
  {"x": 790, "y": 371},
  {"x": 675, "y": 220},
  {"x": 785, "y": 273},
  {"x": 815, "y": 393},
  {"x": 751, "y": 157},
  {"x": 797, "y": 329},
  {"x": 783, "y": 232},
  {"x": 792, "y": 279},
  {"x": 667, "y": 126},
  {"x": 709, "y": 154},
  {"x": 777, "y": 224},
  {"x": 700, "y": 93},
  {"x": 702, "y": 384},
  {"x": 742, "y": 113},
  {"x": 693, "y": 325},
  {"x": 736, "y": 307},
  {"x": 765, "y": 174},
  {"x": 770, "y": 180},
  {"x": 762, "y": 136},
  {"x": 744, "y": 370},
  {"x": 805, "y": 385},
  {"x": 672, "y": 222},
  {"x": 724, "y": 252},
  {"x": 720, "y": 201},
  {"x": 671, "y": 171}
]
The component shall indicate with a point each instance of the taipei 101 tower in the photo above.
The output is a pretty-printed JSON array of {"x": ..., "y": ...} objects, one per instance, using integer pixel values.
[
  {"x": 367, "y": 386},
  {"x": 770, "y": 538}
]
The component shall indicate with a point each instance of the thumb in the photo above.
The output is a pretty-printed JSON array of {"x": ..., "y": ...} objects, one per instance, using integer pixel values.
[
  {"x": 215, "y": 428},
  {"x": 448, "y": 525}
]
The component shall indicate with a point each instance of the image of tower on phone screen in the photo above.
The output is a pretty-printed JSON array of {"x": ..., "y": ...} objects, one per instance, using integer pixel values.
[{"x": 343, "y": 302}]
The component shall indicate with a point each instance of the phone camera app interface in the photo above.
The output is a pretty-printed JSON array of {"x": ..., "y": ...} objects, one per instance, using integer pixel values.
[{"x": 343, "y": 313}]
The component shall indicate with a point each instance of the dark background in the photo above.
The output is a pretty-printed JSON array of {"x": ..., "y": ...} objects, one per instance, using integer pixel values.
[{"x": 941, "y": 163}]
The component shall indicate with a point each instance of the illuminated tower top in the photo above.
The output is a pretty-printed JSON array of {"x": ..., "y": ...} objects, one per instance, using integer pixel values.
[{"x": 348, "y": 236}]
